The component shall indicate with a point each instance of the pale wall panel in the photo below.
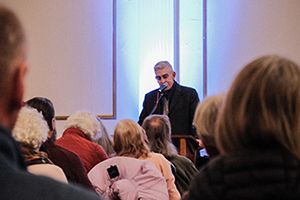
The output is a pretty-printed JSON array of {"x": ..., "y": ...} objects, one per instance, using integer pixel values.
[{"x": 69, "y": 53}]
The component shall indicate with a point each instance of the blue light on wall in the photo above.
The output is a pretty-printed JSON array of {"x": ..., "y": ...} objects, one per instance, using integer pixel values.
[
  {"x": 156, "y": 41},
  {"x": 161, "y": 30},
  {"x": 191, "y": 44}
]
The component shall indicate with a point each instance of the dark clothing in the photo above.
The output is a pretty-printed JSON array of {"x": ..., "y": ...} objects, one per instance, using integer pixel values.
[
  {"x": 185, "y": 172},
  {"x": 252, "y": 175},
  {"x": 69, "y": 162},
  {"x": 182, "y": 105},
  {"x": 16, "y": 183}
]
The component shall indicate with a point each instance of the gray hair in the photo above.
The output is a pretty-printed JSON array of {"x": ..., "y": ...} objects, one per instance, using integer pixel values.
[
  {"x": 84, "y": 121},
  {"x": 162, "y": 65}
]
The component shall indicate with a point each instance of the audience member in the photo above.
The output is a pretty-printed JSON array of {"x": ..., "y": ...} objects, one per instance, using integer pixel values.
[
  {"x": 81, "y": 128},
  {"x": 158, "y": 131},
  {"x": 130, "y": 140},
  {"x": 128, "y": 178},
  {"x": 16, "y": 182},
  {"x": 257, "y": 135},
  {"x": 177, "y": 102},
  {"x": 104, "y": 140},
  {"x": 31, "y": 131},
  {"x": 67, "y": 160},
  {"x": 205, "y": 122}
]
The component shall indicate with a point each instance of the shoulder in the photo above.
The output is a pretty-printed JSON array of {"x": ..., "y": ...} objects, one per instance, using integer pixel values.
[
  {"x": 183, "y": 162},
  {"x": 49, "y": 170},
  {"x": 181, "y": 159},
  {"x": 158, "y": 157},
  {"x": 98, "y": 147},
  {"x": 152, "y": 93},
  {"x": 187, "y": 89}
]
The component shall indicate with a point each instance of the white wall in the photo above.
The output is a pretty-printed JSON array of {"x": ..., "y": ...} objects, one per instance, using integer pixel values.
[
  {"x": 238, "y": 32},
  {"x": 241, "y": 30}
]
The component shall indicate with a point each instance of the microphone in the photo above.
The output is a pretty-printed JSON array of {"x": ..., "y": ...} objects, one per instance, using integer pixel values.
[{"x": 165, "y": 85}]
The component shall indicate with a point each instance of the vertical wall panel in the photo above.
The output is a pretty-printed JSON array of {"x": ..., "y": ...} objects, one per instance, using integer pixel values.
[
  {"x": 191, "y": 44},
  {"x": 156, "y": 40}
]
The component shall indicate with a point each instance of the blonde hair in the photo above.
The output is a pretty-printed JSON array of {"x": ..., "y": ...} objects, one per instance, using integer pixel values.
[
  {"x": 158, "y": 131},
  {"x": 130, "y": 139},
  {"x": 262, "y": 108},
  {"x": 205, "y": 118},
  {"x": 30, "y": 129},
  {"x": 84, "y": 121}
]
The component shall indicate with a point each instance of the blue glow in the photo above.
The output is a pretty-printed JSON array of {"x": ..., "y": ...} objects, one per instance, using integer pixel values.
[
  {"x": 146, "y": 36},
  {"x": 155, "y": 40},
  {"x": 191, "y": 44}
]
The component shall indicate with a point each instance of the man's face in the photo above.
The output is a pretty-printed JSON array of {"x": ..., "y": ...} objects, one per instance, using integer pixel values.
[{"x": 165, "y": 75}]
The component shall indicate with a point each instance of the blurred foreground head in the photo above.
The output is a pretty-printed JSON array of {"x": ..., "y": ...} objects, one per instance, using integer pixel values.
[
  {"x": 13, "y": 67},
  {"x": 262, "y": 108}
]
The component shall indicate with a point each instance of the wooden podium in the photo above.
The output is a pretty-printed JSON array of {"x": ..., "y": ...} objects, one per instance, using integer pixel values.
[{"x": 186, "y": 146}]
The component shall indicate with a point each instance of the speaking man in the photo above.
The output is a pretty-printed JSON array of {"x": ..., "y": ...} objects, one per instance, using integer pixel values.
[{"x": 171, "y": 99}]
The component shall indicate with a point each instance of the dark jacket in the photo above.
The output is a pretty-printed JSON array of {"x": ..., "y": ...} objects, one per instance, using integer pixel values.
[
  {"x": 184, "y": 172},
  {"x": 17, "y": 183},
  {"x": 253, "y": 175},
  {"x": 69, "y": 162},
  {"x": 182, "y": 107}
]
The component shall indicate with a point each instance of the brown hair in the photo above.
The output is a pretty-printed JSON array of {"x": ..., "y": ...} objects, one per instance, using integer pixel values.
[
  {"x": 130, "y": 139},
  {"x": 158, "y": 131},
  {"x": 262, "y": 108}
]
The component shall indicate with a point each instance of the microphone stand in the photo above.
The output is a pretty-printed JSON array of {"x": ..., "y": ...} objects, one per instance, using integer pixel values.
[{"x": 155, "y": 106}]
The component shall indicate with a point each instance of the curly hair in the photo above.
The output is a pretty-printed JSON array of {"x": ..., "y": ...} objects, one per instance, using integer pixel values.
[
  {"x": 30, "y": 130},
  {"x": 84, "y": 121}
]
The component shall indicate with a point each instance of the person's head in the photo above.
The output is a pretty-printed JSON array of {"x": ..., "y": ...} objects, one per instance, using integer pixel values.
[
  {"x": 129, "y": 139},
  {"x": 13, "y": 67},
  {"x": 30, "y": 130},
  {"x": 164, "y": 74},
  {"x": 262, "y": 108},
  {"x": 45, "y": 106},
  {"x": 205, "y": 121},
  {"x": 158, "y": 131},
  {"x": 103, "y": 139},
  {"x": 84, "y": 121}
]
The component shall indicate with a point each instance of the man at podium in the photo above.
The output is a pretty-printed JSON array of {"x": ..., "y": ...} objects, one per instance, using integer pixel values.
[{"x": 172, "y": 99}]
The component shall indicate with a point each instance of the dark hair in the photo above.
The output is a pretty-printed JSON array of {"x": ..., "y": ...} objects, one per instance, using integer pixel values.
[{"x": 45, "y": 106}]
